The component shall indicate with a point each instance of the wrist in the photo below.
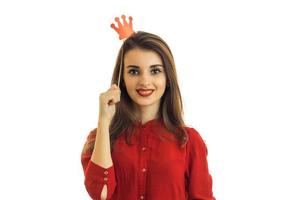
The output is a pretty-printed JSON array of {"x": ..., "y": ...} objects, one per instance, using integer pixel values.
[{"x": 103, "y": 121}]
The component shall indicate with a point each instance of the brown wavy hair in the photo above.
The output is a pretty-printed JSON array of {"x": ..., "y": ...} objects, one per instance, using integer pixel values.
[{"x": 171, "y": 108}]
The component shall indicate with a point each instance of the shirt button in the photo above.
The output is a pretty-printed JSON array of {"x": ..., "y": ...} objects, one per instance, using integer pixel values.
[
  {"x": 144, "y": 148},
  {"x": 105, "y": 178},
  {"x": 142, "y": 197},
  {"x": 144, "y": 169},
  {"x": 106, "y": 172}
]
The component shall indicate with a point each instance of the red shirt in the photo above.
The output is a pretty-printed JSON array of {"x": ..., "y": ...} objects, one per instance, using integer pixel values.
[{"x": 152, "y": 168}]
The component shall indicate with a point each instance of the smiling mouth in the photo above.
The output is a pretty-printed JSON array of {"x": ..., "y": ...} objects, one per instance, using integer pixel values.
[{"x": 145, "y": 93}]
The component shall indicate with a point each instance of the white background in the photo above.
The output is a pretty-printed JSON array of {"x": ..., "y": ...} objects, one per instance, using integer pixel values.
[{"x": 238, "y": 68}]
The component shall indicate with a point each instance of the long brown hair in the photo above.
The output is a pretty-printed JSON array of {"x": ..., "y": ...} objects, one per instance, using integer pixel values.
[{"x": 170, "y": 110}]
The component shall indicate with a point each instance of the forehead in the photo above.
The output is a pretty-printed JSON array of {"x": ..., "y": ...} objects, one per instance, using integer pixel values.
[{"x": 142, "y": 58}]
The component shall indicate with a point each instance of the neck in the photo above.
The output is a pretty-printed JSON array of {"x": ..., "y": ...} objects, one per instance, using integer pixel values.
[{"x": 147, "y": 113}]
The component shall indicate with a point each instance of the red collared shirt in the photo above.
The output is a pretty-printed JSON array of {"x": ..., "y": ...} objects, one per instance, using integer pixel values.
[{"x": 152, "y": 168}]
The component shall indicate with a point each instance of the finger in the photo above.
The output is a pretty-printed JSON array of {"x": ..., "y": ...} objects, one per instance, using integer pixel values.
[
  {"x": 112, "y": 97},
  {"x": 115, "y": 91},
  {"x": 113, "y": 101},
  {"x": 113, "y": 87},
  {"x": 116, "y": 96}
]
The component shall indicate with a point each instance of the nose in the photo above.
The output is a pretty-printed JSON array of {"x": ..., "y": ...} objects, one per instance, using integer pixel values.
[{"x": 144, "y": 79}]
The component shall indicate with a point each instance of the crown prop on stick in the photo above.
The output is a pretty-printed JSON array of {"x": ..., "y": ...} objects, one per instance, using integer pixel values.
[{"x": 124, "y": 31}]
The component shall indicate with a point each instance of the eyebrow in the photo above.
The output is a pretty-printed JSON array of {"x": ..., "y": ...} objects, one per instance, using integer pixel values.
[{"x": 152, "y": 66}]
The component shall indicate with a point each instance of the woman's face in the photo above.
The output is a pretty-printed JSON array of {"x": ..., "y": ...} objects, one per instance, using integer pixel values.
[{"x": 144, "y": 77}]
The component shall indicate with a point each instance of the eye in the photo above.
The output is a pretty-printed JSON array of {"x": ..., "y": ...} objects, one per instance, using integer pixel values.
[
  {"x": 132, "y": 71},
  {"x": 157, "y": 71}
]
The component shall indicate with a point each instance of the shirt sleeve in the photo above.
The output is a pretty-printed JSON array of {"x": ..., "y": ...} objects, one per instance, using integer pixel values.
[
  {"x": 95, "y": 175},
  {"x": 199, "y": 181}
]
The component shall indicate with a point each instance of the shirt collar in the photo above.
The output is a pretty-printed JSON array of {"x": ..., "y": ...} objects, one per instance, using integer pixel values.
[{"x": 149, "y": 124}]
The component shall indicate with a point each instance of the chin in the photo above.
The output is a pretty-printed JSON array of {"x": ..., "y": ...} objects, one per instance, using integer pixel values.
[{"x": 145, "y": 102}]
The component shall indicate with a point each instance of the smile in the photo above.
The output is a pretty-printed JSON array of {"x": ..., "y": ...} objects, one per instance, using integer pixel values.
[{"x": 145, "y": 93}]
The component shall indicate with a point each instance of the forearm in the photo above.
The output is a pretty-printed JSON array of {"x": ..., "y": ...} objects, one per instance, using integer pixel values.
[{"x": 101, "y": 154}]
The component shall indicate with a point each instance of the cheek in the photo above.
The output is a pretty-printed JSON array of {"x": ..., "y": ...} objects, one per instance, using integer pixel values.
[
  {"x": 128, "y": 81},
  {"x": 130, "y": 84},
  {"x": 162, "y": 82}
]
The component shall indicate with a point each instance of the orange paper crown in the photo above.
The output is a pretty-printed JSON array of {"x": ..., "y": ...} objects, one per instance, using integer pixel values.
[{"x": 124, "y": 30}]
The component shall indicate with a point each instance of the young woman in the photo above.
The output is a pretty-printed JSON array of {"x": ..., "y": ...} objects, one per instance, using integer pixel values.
[{"x": 141, "y": 148}]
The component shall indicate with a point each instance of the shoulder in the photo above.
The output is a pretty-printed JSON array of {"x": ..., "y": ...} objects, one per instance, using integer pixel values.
[
  {"x": 90, "y": 138},
  {"x": 193, "y": 134},
  {"x": 92, "y": 134},
  {"x": 195, "y": 140},
  {"x": 89, "y": 143}
]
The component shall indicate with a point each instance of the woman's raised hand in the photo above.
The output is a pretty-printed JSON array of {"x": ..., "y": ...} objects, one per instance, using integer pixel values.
[{"x": 107, "y": 101}]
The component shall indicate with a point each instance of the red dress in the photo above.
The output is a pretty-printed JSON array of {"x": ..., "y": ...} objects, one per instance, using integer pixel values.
[{"x": 152, "y": 169}]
